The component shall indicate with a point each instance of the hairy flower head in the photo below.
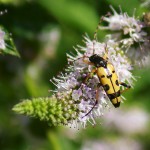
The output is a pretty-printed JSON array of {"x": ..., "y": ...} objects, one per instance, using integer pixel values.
[
  {"x": 131, "y": 34},
  {"x": 128, "y": 25},
  {"x": 84, "y": 93}
]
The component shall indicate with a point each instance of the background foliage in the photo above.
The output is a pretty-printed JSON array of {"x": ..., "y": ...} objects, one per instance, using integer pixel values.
[{"x": 44, "y": 31}]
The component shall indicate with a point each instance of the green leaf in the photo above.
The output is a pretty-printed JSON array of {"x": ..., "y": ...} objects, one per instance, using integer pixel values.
[
  {"x": 128, "y": 6},
  {"x": 11, "y": 1},
  {"x": 73, "y": 13}
]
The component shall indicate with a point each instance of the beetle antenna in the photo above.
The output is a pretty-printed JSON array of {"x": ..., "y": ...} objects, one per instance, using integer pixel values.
[
  {"x": 95, "y": 33},
  {"x": 106, "y": 50},
  {"x": 100, "y": 21},
  {"x": 93, "y": 47}
]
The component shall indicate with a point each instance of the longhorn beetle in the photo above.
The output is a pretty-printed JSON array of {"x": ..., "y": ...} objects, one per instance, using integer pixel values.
[{"x": 108, "y": 78}]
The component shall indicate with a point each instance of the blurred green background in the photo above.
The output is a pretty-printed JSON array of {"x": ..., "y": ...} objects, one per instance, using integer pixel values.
[{"x": 44, "y": 31}]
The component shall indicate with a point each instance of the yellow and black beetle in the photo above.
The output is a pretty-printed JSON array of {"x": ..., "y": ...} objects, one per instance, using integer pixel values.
[{"x": 108, "y": 78}]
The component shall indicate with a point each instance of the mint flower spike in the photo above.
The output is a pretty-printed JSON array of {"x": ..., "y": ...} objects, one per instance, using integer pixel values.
[
  {"x": 72, "y": 98},
  {"x": 130, "y": 34},
  {"x": 50, "y": 109},
  {"x": 84, "y": 94}
]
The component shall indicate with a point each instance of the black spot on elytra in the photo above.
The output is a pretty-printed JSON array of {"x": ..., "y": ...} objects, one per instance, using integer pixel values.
[
  {"x": 117, "y": 83},
  {"x": 114, "y": 95},
  {"x": 106, "y": 87},
  {"x": 103, "y": 76}
]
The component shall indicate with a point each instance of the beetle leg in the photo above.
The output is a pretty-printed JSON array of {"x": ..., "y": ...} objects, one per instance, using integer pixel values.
[
  {"x": 97, "y": 94},
  {"x": 90, "y": 74},
  {"x": 125, "y": 85},
  {"x": 96, "y": 102},
  {"x": 84, "y": 60}
]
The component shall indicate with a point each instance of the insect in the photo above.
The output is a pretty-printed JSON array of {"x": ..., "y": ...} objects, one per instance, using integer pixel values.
[{"x": 107, "y": 76}]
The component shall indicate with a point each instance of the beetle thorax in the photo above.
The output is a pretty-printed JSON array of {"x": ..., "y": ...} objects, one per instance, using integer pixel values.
[{"x": 98, "y": 61}]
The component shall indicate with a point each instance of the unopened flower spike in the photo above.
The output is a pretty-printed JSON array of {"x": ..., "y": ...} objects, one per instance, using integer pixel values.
[
  {"x": 132, "y": 36},
  {"x": 50, "y": 109}
]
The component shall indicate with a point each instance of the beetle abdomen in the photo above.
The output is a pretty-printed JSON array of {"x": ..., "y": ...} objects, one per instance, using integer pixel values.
[
  {"x": 109, "y": 80},
  {"x": 115, "y": 98}
]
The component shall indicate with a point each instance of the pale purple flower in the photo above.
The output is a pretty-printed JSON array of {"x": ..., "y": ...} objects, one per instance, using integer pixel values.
[
  {"x": 128, "y": 25},
  {"x": 130, "y": 35},
  {"x": 121, "y": 143},
  {"x": 131, "y": 121},
  {"x": 76, "y": 94}
]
